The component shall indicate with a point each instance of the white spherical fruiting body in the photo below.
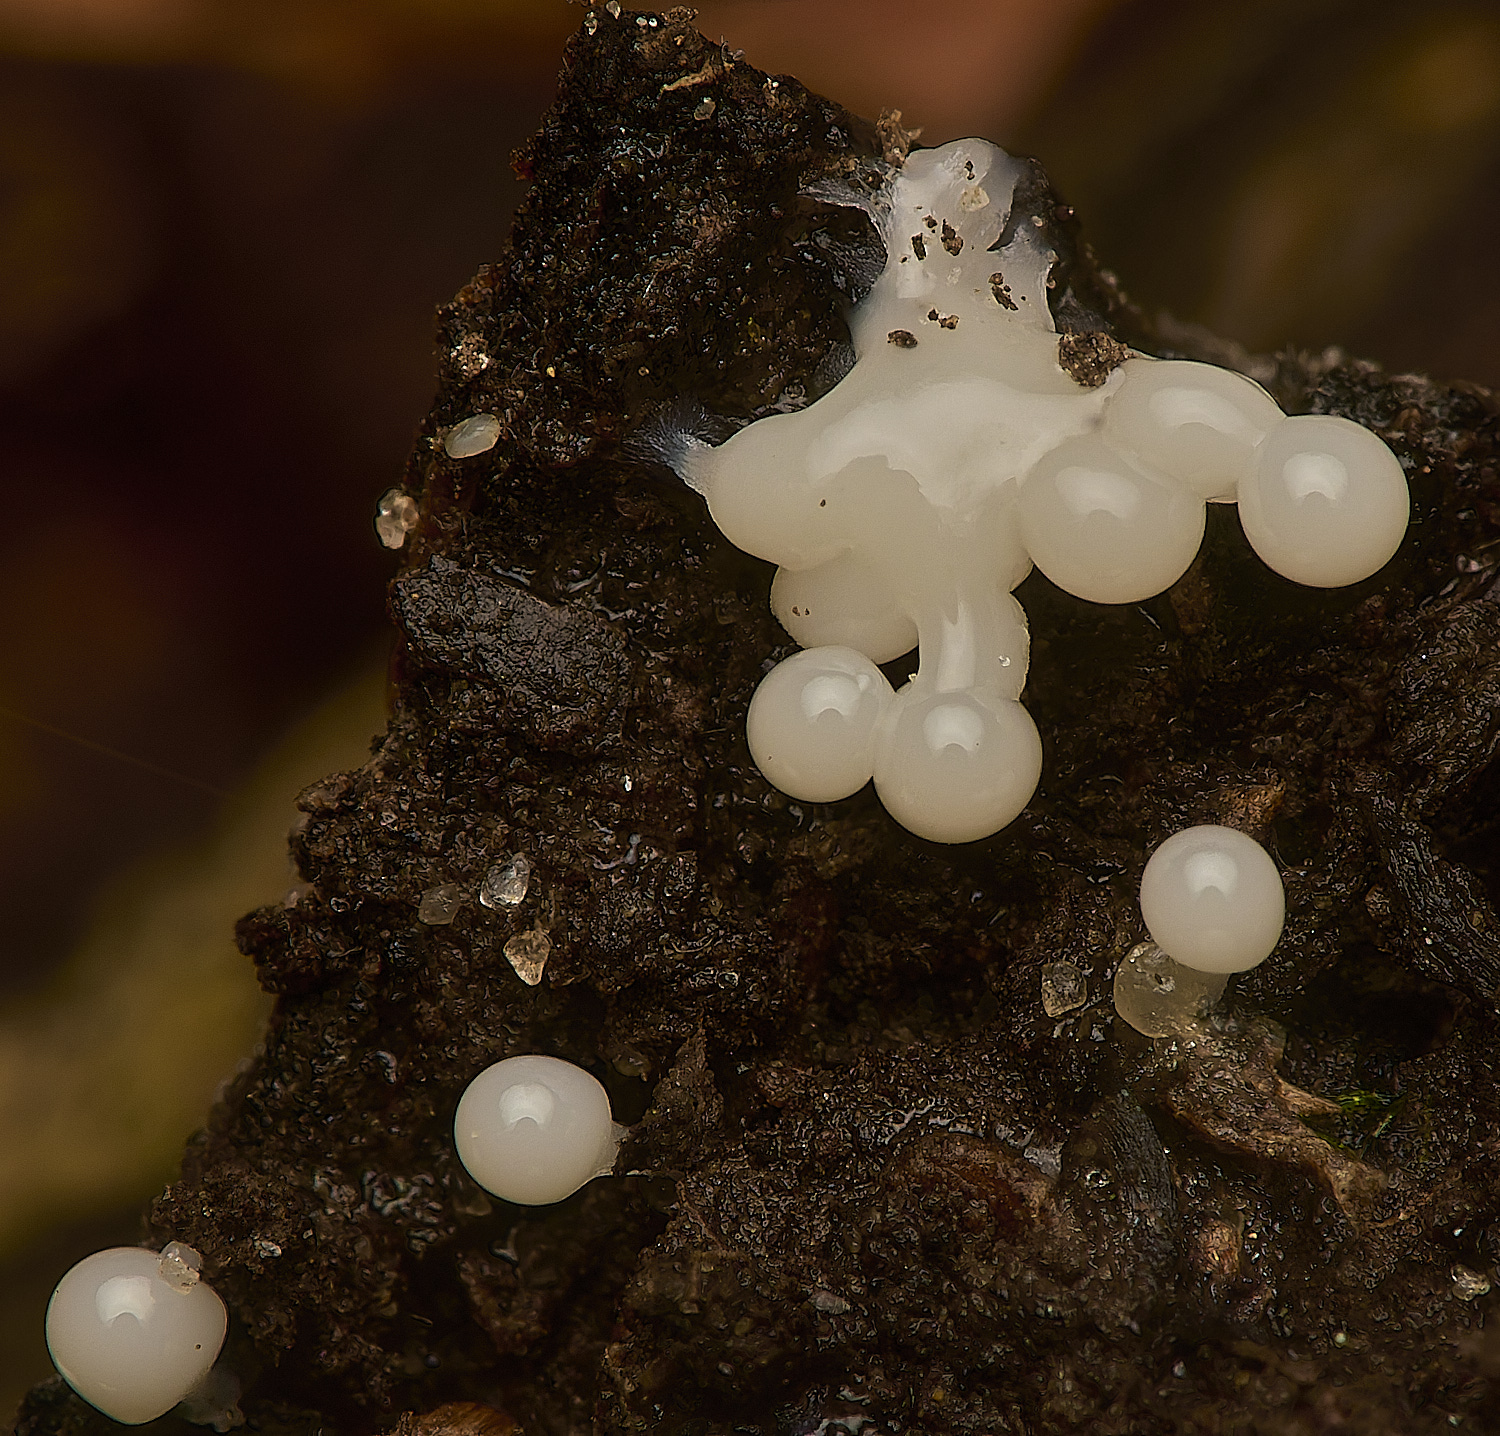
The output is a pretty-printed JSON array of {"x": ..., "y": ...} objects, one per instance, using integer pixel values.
[
  {"x": 905, "y": 505},
  {"x": 812, "y": 723},
  {"x": 956, "y": 766},
  {"x": 1212, "y": 899},
  {"x": 534, "y": 1129},
  {"x": 133, "y": 1331},
  {"x": 1103, "y": 530},
  {"x": 1199, "y": 425},
  {"x": 1327, "y": 504}
]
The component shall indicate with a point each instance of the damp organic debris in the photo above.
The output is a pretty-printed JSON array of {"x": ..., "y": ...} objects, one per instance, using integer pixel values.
[{"x": 892, "y": 1163}]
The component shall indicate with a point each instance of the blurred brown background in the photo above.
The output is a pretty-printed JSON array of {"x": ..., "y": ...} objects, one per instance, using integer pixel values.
[{"x": 224, "y": 225}]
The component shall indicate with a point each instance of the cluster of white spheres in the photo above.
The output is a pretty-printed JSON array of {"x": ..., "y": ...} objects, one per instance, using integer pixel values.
[
  {"x": 133, "y": 1331},
  {"x": 1212, "y": 900},
  {"x": 534, "y": 1129},
  {"x": 904, "y": 505}
]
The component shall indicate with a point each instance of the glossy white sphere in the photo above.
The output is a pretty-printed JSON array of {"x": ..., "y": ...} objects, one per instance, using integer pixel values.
[
  {"x": 1105, "y": 530},
  {"x": 1327, "y": 504},
  {"x": 1212, "y": 899},
  {"x": 1196, "y": 423},
  {"x": 811, "y": 724},
  {"x": 842, "y": 604},
  {"x": 534, "y": 1129},
  {"x": 956, "y": 767},
  {"x": 130, "y": 1339}
]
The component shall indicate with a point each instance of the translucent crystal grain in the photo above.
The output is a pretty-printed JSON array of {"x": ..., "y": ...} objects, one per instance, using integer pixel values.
[
  {"x": 439, "y": 905},
  {"x": 1064, "y": 987},
  {"x": 527, "y": 953},
  {"x": 1468, "y": 1283},
  {"x": 505, "y": 884},
  {"x": 179, "y": 1266},
  {"x": 474, "y": 435},
  {"x": 395, "y": 517}
]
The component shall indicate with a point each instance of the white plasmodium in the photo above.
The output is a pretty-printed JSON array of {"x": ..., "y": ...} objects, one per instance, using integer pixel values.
[
  {"x": 906, "y": 504},
  {"x": 534, "y": 1129},
  {"x": 133, "y": 1332},
  {"x": 1212, "y": 899}
]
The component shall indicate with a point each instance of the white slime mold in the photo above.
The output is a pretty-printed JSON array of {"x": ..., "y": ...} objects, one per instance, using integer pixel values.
[
  {"x": 134, "y": 1332},
  {"x": 534, "y": 1129},
  {"x": 906, "y": 504},
  {"x": 1212, "y": 899}
]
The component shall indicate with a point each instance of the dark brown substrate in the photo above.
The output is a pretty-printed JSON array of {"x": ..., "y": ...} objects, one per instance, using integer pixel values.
[{"x": 872, "y": 1187}]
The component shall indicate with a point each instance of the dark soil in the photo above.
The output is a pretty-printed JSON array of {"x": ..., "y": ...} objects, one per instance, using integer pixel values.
[{"x": 871, "y": 1186}]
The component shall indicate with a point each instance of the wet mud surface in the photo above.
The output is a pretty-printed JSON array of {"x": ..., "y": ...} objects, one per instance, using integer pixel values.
[{"x": 871, "y": 1186}]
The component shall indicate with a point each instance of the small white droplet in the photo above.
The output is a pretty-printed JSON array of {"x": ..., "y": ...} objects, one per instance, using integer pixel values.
[
  {"x": 395, "y": 516},
  {"x": 475, "y": 435},
  {"x": 813, "y": 720},
  {"x": 439, "y": 905},
  {"x": 505, "y": 884},
  {"x": 590, "y": 23},
  {"x": 613, "y": 6}
]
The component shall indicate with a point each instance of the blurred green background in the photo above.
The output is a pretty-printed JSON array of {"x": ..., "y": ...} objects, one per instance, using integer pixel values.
[{"x": 224, "y": 225}]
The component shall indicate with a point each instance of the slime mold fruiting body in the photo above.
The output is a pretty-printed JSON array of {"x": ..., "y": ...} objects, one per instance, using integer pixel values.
[
  {"x": 134, "y": 1332},
  {"x": 1213, "y": 902},
  {"x": 534, "y": 1129},
  {"x": 1212, "y": 899},
  {"x": 906, "y": 504}
]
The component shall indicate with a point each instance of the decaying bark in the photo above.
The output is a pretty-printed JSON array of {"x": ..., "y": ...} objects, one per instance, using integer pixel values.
[{"x": 872, "y": 1187}]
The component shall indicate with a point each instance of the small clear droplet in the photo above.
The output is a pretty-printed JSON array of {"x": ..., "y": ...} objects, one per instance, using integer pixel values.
[
  {"x": 1161, "y": 998},
  {"x": 527, "y": 953},
  {"x": 614, "y": 9},
  {"x": 704, "y": 110},
  {"x": 439, "y": 905},
  {"x": 505, "y": 884},
  {"x": 395, "y": 517}
]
